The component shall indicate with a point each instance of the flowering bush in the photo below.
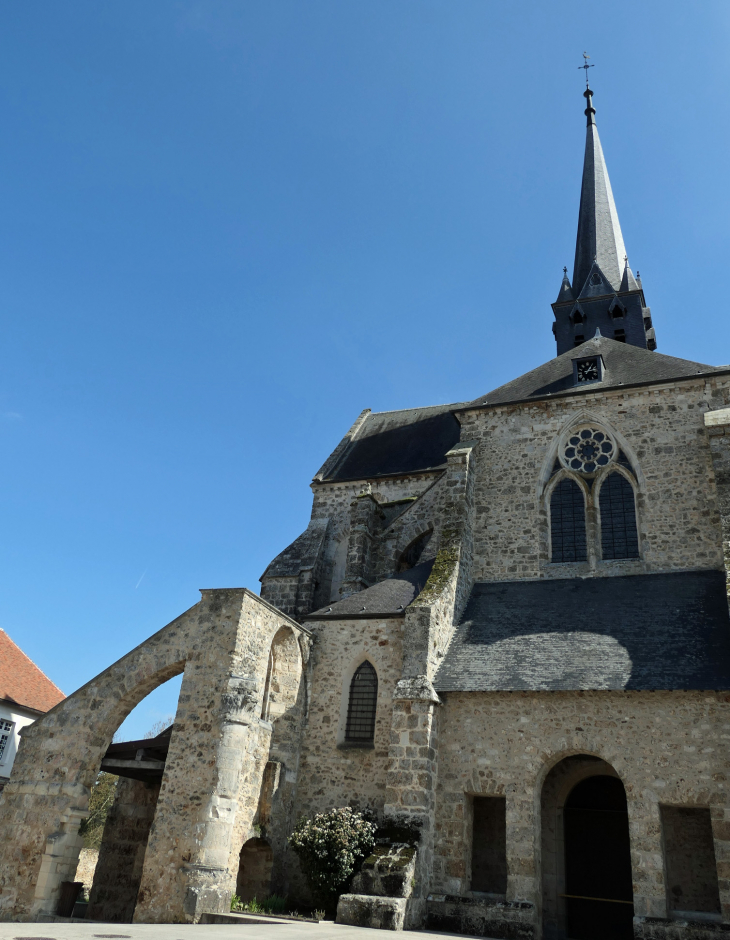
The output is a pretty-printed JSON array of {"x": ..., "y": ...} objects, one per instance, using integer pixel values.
[{"x": 329, "y": 847}]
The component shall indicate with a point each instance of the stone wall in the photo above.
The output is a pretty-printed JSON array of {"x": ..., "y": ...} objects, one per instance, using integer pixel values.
[
  {"x": 86, "y": 868},
  {"x": 331, "y": 772},
  {"x": 689, "y": 855},
  {"x": 300, "y": 579},
  {"x": 661, "y": 430},
  {"x": 121, "y": 857},
  {"x": 668, "y": 748}
]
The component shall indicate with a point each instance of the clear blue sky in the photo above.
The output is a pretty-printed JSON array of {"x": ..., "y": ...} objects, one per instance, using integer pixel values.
[{"x": 228, "y": 227}]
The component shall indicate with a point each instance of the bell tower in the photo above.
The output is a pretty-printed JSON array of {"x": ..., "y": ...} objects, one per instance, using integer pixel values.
[{"x": 604, "y": 293}]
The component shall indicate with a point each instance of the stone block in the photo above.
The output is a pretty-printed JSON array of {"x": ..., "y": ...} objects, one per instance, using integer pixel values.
[{"x": 360, "y": 910}]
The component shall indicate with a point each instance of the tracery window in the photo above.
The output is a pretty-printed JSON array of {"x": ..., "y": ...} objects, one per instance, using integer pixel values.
[
  {"x": 595, "y": 497},
  {"x": 618, "y": 518},
  {"x": 360, "y": 727},
  {"x": 568, "y": 522},
  {"x": 587, "y": 450}
]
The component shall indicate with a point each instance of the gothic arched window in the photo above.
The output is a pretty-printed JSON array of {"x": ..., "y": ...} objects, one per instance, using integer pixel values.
[
  {"x": 361, "y": 707},
  {"x": 568, "y": 522},
  {"x": 618, "y": 518}
]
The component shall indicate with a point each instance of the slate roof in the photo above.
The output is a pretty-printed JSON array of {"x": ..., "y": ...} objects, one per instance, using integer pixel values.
[
  {"x": 386, "y": 598},
  {"x": 624, "y": 364},
  {"x": 599, "y": 232},
  {"x": 302, "y": 552},
  {"x": 650, "y": 632},
  {"x": 22, "y": 682},
  {"x": 396, "y": 442}
]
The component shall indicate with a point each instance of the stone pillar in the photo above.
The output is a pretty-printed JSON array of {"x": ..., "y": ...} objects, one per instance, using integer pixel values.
[
  {"x": 59, "y": 861},
  {"x": 187, "y": 868},
  {"x": 718, "y": 431},
  {"x": 411, "y": 778},
  {"x": 364, "y": 519},
  {"x": 121, "y": 856}
]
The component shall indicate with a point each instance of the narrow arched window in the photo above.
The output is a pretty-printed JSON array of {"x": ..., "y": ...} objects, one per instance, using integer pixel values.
[
  {"x": 568, "y": 522},
  {"x": 618, "y": 518},
  {"x": 361, "y": 708}
]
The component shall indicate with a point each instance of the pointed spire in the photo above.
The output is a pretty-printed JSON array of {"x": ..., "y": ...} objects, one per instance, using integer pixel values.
[
  {"x": 566, "y": 291},
  {"x": 628, "y": 281},
  {"x": 599, "y": 233}
]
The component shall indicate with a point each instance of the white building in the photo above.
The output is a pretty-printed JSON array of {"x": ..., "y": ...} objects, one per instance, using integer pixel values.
[{"x": 25, "y": 694}]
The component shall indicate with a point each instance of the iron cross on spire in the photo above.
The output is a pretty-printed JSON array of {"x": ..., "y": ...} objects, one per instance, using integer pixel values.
[
  {"x": 588, "y": 94},
  {"x": 586, "y": 66}
]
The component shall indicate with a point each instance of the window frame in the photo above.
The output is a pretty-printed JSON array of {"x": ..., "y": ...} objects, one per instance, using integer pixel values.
[
  {"x": 617, "y": 468},
  {"x": 562, "y": 477},
  {"x": 7, "y": 733},
  {"x": 361, "y": 741}
]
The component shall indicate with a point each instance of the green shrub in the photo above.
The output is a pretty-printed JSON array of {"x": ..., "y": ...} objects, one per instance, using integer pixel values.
[
  {"x": 274, "y": 904},
  {"x": 329, "y": 847}
]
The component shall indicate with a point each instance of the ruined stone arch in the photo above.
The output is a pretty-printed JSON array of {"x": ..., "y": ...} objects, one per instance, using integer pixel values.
[{"x": 221, "y": 646}]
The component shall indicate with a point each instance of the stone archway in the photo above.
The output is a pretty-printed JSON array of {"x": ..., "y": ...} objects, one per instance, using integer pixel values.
[
  {"x": 254, "y": 870},
  {"x": 586, "y": 860},
  {"x": 222, "y": 645}
]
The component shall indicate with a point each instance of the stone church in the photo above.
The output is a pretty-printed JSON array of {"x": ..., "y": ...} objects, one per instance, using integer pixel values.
[{"x": 505, "y": 632}]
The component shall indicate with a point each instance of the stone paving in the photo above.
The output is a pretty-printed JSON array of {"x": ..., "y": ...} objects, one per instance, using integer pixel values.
[{"x": 274, "y": 930}]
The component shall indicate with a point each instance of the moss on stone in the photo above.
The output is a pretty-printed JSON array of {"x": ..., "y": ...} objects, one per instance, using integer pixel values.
[{"x": 443, "y": 568}]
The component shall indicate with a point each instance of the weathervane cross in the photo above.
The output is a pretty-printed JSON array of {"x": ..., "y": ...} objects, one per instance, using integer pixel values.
[{"x": 586, "y": 66}]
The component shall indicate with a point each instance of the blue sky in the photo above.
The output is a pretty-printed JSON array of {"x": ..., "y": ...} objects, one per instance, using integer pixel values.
[{"x": 228, "y": 227}]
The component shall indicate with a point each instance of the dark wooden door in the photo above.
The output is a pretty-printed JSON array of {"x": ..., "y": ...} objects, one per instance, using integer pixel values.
[{"x": 598, "y": 885}]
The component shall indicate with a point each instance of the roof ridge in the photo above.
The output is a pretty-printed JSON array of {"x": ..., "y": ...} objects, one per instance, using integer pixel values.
[{"x": 393, "y": 411}]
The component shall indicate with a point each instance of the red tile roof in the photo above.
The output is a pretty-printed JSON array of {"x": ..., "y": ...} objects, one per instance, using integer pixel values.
[{"x": 22, "y": 682}]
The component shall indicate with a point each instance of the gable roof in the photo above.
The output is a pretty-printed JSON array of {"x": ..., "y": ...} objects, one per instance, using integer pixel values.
[
  {"x": 22, "y": 682},
  {"x": 388, "y": 598},
  {"x": 389, "y": 443},
  {"x": 651, "y": 632},
  {"x": 623, "y": 363}
]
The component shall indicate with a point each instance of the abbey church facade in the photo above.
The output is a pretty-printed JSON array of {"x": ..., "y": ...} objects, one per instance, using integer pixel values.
[{"x": 505, "y": 632}]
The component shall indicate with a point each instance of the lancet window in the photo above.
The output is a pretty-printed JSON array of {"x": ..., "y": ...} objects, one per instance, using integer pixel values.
[
  {"x": 618, "y": 518},
  {"x": 361, "y": 708},
  {"x": 568, "y": 522}
]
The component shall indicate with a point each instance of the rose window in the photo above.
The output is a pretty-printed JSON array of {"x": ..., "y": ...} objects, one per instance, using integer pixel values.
[{"x": 588, "y": 450}]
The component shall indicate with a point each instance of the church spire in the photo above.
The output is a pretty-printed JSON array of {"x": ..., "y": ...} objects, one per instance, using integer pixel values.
[
  {"x": 604, "y": 294},
  {"x": 599, "y": 233}
]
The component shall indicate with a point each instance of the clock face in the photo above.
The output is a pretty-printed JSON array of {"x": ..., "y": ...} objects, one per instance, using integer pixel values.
[{"x": 588, "y": 370}]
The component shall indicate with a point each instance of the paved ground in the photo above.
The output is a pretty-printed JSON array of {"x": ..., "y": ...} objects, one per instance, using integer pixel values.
[{"x": 271, "y": 931}]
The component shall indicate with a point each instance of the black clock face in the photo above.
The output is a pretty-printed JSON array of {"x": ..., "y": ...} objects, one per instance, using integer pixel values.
[{"x": 588, "y": 370}]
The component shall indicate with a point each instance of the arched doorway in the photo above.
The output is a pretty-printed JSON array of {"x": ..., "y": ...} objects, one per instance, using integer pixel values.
[
  {"x": 598, "y": 884},
  {"x": 586, "y": 859},
  {"x": 254, "y": 870}
]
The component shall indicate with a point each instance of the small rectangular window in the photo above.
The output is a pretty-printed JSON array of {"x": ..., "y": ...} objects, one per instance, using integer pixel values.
[
  {"x": 579, "y": 339},
  {"x": 619, "y": 335},
  {"x": 489, "y": 845},
  {"x": 689, "y": 859},
  {"x": 6, "y": 730}
]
